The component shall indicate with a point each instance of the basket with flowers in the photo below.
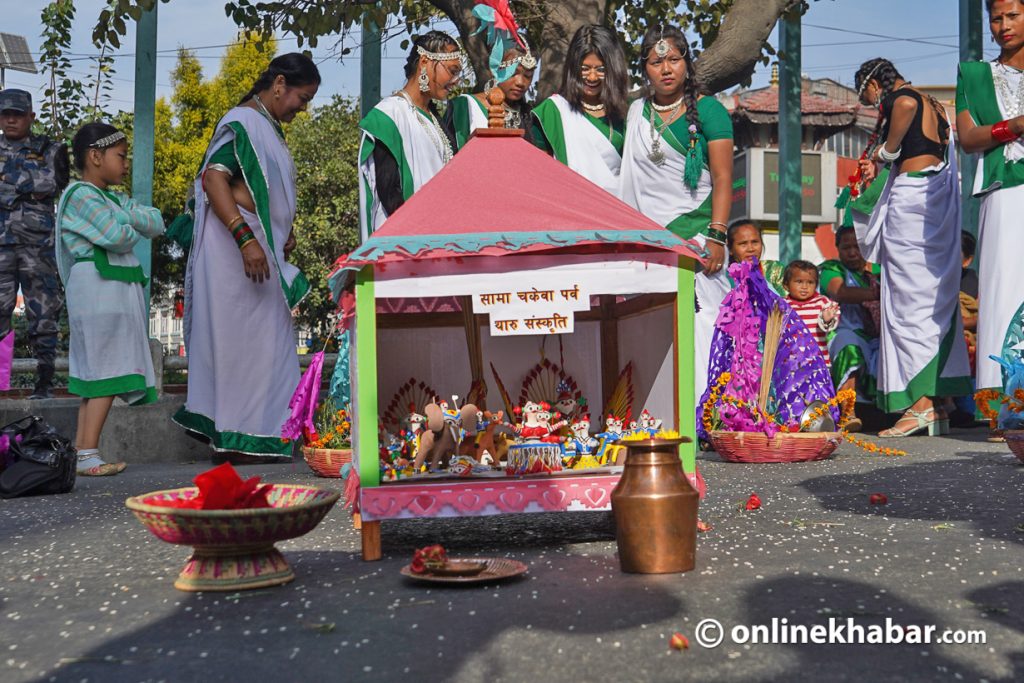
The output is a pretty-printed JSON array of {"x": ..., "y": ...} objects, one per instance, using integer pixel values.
[
  {"x": 770, "y": 396},
  {"x": 329, "y": 447},
  {"x": 1008, "y": 416}
]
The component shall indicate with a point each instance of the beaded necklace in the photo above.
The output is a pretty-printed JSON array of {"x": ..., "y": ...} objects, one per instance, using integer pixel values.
[
  {"x": 1014, "y": 102},
  {"x": 432, "y": 128}
]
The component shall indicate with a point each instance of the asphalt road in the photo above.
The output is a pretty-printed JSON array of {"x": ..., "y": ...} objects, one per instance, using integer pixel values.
[{"x": 86, "y": 592}]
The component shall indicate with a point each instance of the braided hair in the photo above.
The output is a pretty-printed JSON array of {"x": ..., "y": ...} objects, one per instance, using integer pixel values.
[
  {"x": 690, "y": 90},
  {"x": 882, "y": 71},
  {"x": 297, "y": 69},
  {"x": 667, "y": 32}
]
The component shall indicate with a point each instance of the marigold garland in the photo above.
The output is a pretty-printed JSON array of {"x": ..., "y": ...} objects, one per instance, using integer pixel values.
[
  {"x": 844, "y": 399},
  {"x": 985, "y": 397}
]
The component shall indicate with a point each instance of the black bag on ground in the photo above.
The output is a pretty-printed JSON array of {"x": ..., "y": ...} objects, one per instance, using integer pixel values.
[{"x": 39, "y": 459}]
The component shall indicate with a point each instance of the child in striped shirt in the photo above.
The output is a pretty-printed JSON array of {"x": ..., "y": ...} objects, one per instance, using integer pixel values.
[{"x": 819, "y": 313}]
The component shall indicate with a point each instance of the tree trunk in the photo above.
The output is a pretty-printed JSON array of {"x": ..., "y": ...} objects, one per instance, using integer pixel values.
[
  {"x": 559, "y": 22},
  {"x": 461, "y": 14},
  {"x": 731, "y": 59},
  {"x": 562, "y": 21}
]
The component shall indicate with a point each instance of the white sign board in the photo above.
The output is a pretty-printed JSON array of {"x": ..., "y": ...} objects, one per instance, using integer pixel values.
[{"x": 532, "y": 310}]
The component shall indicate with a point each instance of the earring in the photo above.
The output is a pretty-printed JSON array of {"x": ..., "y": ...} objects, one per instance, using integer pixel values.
[{"x": 424, "y": 81}]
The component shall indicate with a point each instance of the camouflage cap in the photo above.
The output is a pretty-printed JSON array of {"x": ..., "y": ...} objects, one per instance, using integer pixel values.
[{"x": 15, "y": 100}]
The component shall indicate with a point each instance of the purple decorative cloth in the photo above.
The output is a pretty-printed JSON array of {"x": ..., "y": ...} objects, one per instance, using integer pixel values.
[
  {"x": 800, "y": 376},
  {"x": 304, "y": 400}
]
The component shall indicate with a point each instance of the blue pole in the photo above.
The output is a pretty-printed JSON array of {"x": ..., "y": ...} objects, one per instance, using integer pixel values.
[
  {"x": 970, "y": 50},
  {"x": 145, "y": 124},
  {"x": 369, "y": 67},
  {"x": 790, "y": 134}
]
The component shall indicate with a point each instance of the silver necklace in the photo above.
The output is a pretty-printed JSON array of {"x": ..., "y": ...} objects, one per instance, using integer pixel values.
[
  {"x": 662, "y": 108},
  {"x": 266, "y": 112},
  {"x": 513, "y": 117},
  {"x": 1014, "y": 102},
  {"x": 432, "y": 128},
  {"x": 656, "y": 156}
]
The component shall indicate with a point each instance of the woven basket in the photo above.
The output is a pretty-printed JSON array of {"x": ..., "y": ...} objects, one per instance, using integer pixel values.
[
  {"x": 233, "y": 549},
  {"x": 1015, "y": 440},
  {"x": 783, "y": 447},
  {"x": 327, "y": 462}
]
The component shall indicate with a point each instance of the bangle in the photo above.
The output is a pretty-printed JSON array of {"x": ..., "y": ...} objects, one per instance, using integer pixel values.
[
  {"x": 718, "y": 223},
  {"x": 242, "y": 234},
  {"x": 245, "y": 239},
  {"x": 1002, "y": 133},
  {"x": 239, "y": 229},
  {"x": 887, "y": 156},
  {"x": 231, "y": 223},
  {"x": 715, "y": 235}
]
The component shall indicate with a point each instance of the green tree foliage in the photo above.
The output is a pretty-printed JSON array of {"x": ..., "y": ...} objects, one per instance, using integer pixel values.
[
  {"x": 742, "y": 25},
  {"x": 62, "y": 107},
  {"x": 325, "y": 146}
]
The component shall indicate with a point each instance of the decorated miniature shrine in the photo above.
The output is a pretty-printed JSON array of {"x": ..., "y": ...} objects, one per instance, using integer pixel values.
[{"x": 511, "y": 322}]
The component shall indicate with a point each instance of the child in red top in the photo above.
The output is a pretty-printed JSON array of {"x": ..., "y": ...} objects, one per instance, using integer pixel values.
[{"x": 819, "y": 313}]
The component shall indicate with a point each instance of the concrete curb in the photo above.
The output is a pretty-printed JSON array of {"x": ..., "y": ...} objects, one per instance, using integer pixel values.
[{"x": 135, "y": 434}]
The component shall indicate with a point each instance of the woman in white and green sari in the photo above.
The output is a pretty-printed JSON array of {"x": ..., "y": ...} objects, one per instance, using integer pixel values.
[
  {"x": 466, "y": 113},
  {"x": 582, "y": 126},
  {"x": 239, "y": 287},
  {"x": 914, "y": 235},
  {"x": 853, "y": 347},
  {"x": 404, "y": 143},
  {"x": 677, "y": 170},
  {"x": 990, "y": 122}
]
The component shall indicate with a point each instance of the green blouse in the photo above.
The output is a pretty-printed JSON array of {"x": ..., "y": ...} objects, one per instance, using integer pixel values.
[
  {"x": 834, "y": 268},
  {"x": 715, "y": 124}
]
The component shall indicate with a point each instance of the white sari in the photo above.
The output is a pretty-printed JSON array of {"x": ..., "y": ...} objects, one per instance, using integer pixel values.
[
  {"x": 914, "y": 234},
  {"x": 413, "y": 140},
  {"x": 1000, "y": 295},
  {"x": 658, "y": 192},
  {"x": 579, "y": 144},
  {"x": 243, "y": 363}
]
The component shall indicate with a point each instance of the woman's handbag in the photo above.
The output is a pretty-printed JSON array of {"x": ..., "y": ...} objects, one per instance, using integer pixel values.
[{"x": 37, "y": 459}]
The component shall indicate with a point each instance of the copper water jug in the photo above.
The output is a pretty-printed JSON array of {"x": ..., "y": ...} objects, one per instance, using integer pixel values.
[{"x": 655, "y": 509}]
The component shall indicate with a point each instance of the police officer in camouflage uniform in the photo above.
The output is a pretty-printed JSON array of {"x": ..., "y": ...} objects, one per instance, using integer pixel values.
[{"x": 33, "y": 172}]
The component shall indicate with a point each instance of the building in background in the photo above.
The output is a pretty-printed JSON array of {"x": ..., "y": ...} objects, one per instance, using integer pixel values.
[{"x": 835, "y": 131}]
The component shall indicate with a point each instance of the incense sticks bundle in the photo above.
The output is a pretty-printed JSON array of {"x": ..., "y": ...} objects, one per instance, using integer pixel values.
[{"x": 772, "y": 336}]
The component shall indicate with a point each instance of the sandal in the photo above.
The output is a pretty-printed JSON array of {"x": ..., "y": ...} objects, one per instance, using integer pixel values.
[
  {"x": 933, "y": 425},
  {"x": 997, "y": 436},
  {"x": 107, "y": 469},
  {"x": 854, "y": 424},
  {"x": 100, "y": 468}
]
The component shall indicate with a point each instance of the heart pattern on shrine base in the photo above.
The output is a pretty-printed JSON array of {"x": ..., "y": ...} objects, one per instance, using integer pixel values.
[
  {"x": 554, "y": 499},
  {"x": 595, "y": 497},
  {"x": 513, "y": 501},
  {"x": 424, "y": 504},
  {"x": 378, "y": 507},
  {"x": 468, "y": 502}
]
